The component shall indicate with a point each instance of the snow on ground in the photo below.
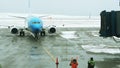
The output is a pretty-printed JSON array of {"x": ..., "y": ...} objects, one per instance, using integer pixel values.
[
  {"x": 68, "y": 34},
  {"x": 102, "y": 49}
]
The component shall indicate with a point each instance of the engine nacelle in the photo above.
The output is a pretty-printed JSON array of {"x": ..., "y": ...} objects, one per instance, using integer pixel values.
[
  {"x": 14, "y": 31},
  {"x": 52, "y": 30}
]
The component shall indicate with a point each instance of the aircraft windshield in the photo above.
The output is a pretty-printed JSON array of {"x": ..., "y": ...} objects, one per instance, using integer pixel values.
[{"x": 36, "y": 22}]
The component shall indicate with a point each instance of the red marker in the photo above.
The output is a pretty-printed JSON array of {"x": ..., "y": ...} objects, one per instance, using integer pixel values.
[{"x": 57, "y": 62}]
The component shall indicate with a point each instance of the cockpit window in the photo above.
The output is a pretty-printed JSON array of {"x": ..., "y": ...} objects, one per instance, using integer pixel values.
[{"x": 36, "y": 22}]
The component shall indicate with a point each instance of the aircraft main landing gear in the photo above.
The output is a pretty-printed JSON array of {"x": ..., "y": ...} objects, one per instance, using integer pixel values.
[
  {"x": 22, "y": 33},
  {"x": 42, "y": 33}
]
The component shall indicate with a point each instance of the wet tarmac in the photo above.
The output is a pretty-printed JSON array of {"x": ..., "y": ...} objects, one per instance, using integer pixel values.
[{"x": 81, "y": 43}]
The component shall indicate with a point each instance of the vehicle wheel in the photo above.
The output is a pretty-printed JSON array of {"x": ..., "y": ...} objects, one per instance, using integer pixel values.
[
  {"x": 22, "y": 33},
  {"x": 42, "y": 33}
]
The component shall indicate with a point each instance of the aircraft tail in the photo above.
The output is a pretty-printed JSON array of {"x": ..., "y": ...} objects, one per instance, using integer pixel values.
[{"x": 29, "y": 8}]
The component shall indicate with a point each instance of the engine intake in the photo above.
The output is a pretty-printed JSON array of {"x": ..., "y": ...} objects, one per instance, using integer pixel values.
[
  {"x": 14, "y": 30},
  {"x": 52, "y": 30}
]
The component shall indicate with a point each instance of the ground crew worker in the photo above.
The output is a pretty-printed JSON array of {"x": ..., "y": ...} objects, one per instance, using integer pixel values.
[
  {"x": 73, "y": 63},
  {"x": 91, "y": 63}
]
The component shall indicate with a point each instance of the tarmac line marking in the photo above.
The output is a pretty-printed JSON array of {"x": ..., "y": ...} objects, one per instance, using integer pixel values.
[{"x": 51, "y": 55}]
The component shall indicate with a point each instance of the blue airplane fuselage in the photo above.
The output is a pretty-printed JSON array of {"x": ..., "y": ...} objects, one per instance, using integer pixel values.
[{"x": 35, "y": 24}]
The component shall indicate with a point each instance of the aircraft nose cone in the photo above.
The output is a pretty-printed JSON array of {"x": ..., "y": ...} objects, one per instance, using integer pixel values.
[{"x": 36, "y": 28}]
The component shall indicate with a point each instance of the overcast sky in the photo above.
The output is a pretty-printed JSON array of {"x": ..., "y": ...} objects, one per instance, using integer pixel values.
[{"x": 64, "y": 7}]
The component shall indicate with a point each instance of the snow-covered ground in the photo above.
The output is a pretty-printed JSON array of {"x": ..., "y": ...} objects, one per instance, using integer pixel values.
[
  {"x": 102, "y": 49},
  {"x": 68, "y": 34}
]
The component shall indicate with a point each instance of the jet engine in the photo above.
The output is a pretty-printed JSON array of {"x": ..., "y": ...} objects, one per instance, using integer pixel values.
[
  {"x": 14, "y": 30},
  {"x": 52, "y": 29}
]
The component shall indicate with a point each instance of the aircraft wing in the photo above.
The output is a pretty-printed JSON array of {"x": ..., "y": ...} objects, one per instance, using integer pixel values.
[{"x": 20, "y": 17}]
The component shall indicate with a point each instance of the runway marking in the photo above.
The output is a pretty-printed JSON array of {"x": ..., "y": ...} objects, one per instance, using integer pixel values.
[{"x": 51, "y": 55}]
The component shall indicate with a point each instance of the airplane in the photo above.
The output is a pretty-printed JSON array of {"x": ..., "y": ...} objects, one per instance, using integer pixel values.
[{"x": 34, "y": 25}]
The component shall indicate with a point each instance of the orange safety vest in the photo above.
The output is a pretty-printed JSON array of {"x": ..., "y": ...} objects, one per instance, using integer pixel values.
[{"x": 74, "y": 65}]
